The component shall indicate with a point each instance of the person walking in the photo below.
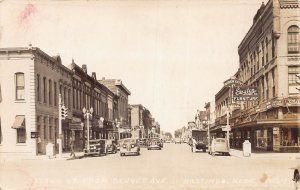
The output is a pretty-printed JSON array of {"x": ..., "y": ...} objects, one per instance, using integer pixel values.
[{"x": 72, "y": 147}]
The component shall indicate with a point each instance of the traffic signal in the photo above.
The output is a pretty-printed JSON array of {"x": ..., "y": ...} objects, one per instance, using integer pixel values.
[{"x": 64, "y": 112}]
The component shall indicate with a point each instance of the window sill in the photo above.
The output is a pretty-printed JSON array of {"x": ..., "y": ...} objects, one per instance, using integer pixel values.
[
  {"x": 20, "y": 101},
  {"x": 21, "y": 144}
]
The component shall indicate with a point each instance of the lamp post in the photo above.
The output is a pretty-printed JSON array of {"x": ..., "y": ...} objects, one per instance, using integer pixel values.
[{"x": 88, "y": 114}]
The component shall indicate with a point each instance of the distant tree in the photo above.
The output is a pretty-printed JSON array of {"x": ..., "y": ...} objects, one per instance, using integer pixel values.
[
  {"x": 168, "y": 135},
  {"x": 178, "y": 133}
]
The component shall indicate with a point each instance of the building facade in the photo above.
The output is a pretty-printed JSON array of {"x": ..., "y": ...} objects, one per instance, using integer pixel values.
[
  {"x": 269, "y": 60},
  {"x": 118, "y": 88},
  {"x": 31, "y": 82}
]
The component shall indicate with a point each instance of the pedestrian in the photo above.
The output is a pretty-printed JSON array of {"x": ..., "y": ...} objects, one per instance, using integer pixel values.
[{"x": 72, "y": 147}]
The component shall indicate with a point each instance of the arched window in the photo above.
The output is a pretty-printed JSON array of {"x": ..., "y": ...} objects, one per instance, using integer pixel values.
[
  {"x": 20, "y": 86},
  {"x": 293, "y": 39}
]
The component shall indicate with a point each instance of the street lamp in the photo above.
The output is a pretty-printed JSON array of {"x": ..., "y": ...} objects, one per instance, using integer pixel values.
[
  {"x": 88, "y": 114},
  {"x": 117, "y": 123}
]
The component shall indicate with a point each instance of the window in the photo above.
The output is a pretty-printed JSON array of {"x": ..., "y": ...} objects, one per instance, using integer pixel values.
[
  {"x": 50, "y": 129},
  {"x": 293, "y": 39},
  {"x": 19, "y": 125},
  {"x": 45, "y": 90},
  {"x": 267, "y": 86},
  {"x": 273, "y": 45},
  {"x": 273, "y": 81},
  {"x": 20, "y": 86},
  {"x": 21, "y": 135},
  {"x": 50, "y": 92},
  {"x": 45, "y": 128},
  {"x": 38, "y": 87},
  {"x": 267, "y": 49},
  {"x": 292, "y": 79},
  {"x": 55, "y": 94},
  {"x": 69, "y": 98}
]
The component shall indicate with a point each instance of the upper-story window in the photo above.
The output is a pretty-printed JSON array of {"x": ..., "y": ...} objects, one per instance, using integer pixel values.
[
  {"x": 293, "y": 39},
  {"x": 55, "y": 93},
  {"x": 38, "y": 87},
  {"x": 50, "y": 92},
  {"x": 45, "y": 90},
  {"x": 20, "y": 86}
]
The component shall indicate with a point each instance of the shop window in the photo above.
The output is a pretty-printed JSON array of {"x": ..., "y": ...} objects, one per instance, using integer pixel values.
[
  {"x": 20, "y": 86},
  {"x": 293, "y": 39},
  {"x": 21, "y": 135}
]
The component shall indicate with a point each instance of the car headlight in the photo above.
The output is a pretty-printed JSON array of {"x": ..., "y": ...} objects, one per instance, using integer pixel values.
[
  {"x": 124, "y": 146},
  {"x": 132, "y": 145}
]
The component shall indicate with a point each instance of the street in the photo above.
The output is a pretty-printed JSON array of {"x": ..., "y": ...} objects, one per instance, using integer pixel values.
[{"x": 173, "y": 167}]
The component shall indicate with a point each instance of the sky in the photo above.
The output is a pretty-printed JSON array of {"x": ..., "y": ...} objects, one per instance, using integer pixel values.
[{"x": 173, "y": 55}]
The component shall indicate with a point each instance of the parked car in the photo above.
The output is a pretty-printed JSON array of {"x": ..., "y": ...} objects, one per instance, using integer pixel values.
[
  {"x": 177, "y": 140},
  {"x": 96, "y": 147},
  {"x": 296, "y": 177},
  {"x": 129, "y": 146},
  {"x": 111, "y": 146},
  {"x": 218, "y": 145},
  {"x": 143, "y": 142},
  {"x": 154, "y": 143}
]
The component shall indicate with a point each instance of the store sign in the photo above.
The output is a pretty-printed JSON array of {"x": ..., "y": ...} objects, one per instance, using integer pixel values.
[
  {"x": 235, "y": 82},
  {"x": 292, "y": 101},
  {"x": 34, "y": 135},
  {"x": 245, "y": 93},
  {"x": 76, "y": 126}
]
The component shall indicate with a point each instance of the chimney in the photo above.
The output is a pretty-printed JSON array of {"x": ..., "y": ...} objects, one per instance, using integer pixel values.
[
  {"x": 84, "y": 68},
  {"x": 94, "y": 75}
]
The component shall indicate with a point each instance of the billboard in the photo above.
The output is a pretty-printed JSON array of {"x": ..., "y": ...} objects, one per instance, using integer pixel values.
[{"x": 245, "y": 93}]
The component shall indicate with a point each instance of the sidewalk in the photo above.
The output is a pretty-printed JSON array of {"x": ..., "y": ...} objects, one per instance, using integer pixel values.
[
  {"x": 65, "y": 156},
  {"x": 255, "y": 154}
]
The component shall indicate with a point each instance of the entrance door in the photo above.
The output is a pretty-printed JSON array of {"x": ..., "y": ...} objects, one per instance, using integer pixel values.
[{"x": 270, "y": 139}]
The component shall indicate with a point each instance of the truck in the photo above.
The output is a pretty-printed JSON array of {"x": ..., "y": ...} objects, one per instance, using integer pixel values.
[{"x": 199, "y": 140}]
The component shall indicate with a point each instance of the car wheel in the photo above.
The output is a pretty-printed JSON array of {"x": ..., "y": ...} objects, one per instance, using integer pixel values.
[{"x": 204, "y": 150}]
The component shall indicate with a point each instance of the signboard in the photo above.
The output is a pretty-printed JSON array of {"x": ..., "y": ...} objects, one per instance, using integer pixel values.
[
  {"x": 34, "y": 135},
  {"x": 245, "y": 93},
  {"x": 235, "y": 82},
  {"x": 76, "y": 126},
  {"x": 226, "y": 128}
]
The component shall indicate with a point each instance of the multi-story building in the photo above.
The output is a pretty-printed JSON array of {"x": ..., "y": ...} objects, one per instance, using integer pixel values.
[
  {"x": 32, "y": 85},
  {"x": 122, "y": 93},
  {"x": 269, "y": 58},
  {"x": 137, "y": 121},
  {"x": 31, "y": 82}
]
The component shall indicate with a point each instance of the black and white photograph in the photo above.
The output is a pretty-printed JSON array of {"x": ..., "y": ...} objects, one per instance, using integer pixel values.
[{"x": 149, "y": 94}]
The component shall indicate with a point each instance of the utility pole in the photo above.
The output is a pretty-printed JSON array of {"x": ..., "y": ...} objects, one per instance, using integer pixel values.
[{"x": 59, "y": 140}]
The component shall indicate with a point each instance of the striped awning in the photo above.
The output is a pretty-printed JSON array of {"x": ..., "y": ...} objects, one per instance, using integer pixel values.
[{"x": 19, "y": 122}]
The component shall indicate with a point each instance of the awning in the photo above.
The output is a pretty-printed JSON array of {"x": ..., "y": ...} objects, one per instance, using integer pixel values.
[{"x": 19, "y": 122}]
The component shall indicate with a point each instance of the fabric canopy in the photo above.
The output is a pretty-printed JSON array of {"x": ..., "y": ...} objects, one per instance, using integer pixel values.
[{"x": 19, "y": 122}]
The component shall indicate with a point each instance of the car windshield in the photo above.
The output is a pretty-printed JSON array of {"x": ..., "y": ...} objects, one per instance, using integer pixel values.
[
  {"x": 94, "y": 142},
  {"x": 220, "y": 140},
  {"x": 129, "y": 141}
]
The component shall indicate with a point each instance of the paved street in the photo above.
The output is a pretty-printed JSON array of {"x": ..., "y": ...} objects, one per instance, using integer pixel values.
[{"x": 174, "y": 167}]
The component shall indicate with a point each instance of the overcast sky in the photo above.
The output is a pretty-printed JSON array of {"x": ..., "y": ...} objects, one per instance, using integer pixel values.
[{"x": 173, "y": 55}]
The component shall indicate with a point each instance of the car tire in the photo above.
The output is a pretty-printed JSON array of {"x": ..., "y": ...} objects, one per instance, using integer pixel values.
[{"x": 204, "y": 150}]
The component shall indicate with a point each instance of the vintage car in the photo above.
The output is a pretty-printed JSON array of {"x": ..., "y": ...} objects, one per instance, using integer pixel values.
[
  {"x": 154, "y": 143},
  {"x": 143, "y": 142},
  {"x": 129, "y": 146},
  {"x": 96, "y": 147},
  {"x": 296, "y": 177},
  {"x": 177, "y": 140},
  {"x": 218, "y": 146},
  {"x": 111, "y": 146}
]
